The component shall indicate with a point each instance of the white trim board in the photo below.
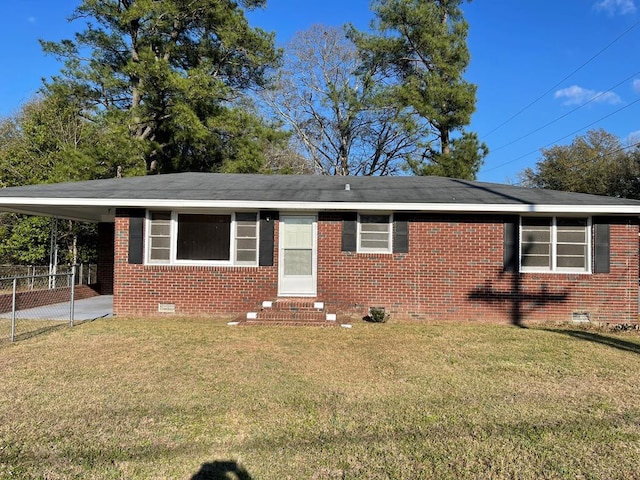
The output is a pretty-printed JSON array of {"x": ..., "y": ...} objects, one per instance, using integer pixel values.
[{"x": 28, "y": 204}]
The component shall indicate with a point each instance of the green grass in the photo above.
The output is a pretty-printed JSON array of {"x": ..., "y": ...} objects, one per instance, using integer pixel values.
[{"x": 160, "y": 398}]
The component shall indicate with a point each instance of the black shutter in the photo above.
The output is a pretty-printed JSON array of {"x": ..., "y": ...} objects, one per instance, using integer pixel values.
[
  {"x": 511, "y": 244},
  {"x": 136, "y": 229},
  {"x": 602, "y": 241},
  {"x": 400, "y": 234},
  {"x": 349, "y": 232},
  {"x": 267, "y": 229}
]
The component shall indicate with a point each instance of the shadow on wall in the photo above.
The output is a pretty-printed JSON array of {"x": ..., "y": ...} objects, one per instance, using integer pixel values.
[
  {"x": 222, "y": 470},
  {"x": 519, "y": 302}
]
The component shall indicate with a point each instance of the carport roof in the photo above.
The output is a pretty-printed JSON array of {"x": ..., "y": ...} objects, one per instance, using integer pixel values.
[{"x": 96, "y": 200}]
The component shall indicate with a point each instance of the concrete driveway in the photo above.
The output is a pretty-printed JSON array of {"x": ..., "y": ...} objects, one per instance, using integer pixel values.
[{"x": 85, "y": 309}]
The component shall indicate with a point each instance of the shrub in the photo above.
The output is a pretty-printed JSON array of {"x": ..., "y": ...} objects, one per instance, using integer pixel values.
[{"x": 377, "y": 315}]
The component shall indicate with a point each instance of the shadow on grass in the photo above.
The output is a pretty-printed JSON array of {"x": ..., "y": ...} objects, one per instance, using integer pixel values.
[
  {"x": 222, "y": 470},
  {"x": 34, "y": 333},
  {"x": 597, "y": 338},
  {"x": 45, "y": 329}
]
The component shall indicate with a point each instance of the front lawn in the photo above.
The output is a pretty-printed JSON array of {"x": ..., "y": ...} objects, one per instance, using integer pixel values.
[{"x": 196, "y": 399}]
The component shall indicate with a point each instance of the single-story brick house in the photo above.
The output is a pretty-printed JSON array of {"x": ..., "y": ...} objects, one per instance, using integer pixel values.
[{"x": 422, "y": 247}]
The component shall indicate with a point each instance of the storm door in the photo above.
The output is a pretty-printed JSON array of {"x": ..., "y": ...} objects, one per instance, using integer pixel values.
[{"x": 298, "y": 256}]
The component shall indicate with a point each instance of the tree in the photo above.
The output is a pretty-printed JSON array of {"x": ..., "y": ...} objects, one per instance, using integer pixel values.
[
  {"x": 25, "y": 240},
  {"x": 332, "y": 105},
  {"x": 419, "y": 51},
  {"x": 166, "y": 80},
  {"x": 595, "y": 163},
  {"x": 46, "y": 141},
  {"x": 50, "y": 140}
]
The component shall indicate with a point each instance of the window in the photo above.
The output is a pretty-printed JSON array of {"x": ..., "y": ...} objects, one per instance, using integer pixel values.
[
  {"x": 374, "y": 233},
  {"x": 246, "y": 238},
  {"x": 160, "y": 236},
  {"x": 555, "y": 244},
  {"x": 202, "y": 238}
]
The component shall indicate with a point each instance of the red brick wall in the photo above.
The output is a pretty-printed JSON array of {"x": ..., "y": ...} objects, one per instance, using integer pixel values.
[
  {"x": 194, "y": 290},
  {"x": 453, "y": 271}
]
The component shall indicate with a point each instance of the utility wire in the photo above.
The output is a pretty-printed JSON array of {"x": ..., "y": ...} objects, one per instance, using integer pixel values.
[
  {"x": 563, "y": 80},
  {"x": 593, "y": 99},
  {"x": 608, "y": 154},
  {"x": 605, "y": 155},
  {"x": 562, "y": 138}
]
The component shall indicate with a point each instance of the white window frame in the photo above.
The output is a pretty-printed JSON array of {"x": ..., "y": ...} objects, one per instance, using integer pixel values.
[
  {"x": 149, "y": 236},
  {"x": 389, "y": 249},
  {"x": 235, "y": 238},
  {"x": 554, "y": 248},
  {"x": 173, "y": 260}
]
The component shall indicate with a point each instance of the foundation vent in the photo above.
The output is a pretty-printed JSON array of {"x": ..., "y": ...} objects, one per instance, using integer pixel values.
[
  {"x": 580, "y": 317},
  {"x": 166, "y": 308}
]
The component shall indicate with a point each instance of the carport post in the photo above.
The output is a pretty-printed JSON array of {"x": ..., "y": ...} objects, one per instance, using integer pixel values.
[
  {"x": 13, "y": 310},
  {"x": 72, "y": 296}
]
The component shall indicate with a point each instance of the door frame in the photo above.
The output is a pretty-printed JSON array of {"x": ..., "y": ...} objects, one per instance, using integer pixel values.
[{"x": 313, "y": 291}]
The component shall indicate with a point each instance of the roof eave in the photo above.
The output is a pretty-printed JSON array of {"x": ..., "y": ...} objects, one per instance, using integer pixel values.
[{"x": 73, "y": 207}]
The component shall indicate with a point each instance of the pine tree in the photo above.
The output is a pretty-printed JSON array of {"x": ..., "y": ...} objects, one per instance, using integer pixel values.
[
  {"x": 419, "y": 49},
  {"x": 171, "y": 76}
]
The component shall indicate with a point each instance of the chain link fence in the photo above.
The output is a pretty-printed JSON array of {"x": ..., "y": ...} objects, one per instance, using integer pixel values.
[
  {"x": 31, "y": 304},
  {"x": 86, "y": 273}
]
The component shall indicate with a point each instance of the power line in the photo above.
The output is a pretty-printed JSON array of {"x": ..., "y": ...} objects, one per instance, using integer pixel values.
[
  {"x": 563, "y": 80},
  {"x": 562, "y": 138},
  {"x": 608, "y": 154},
  {"x": 593, "y": 99}
]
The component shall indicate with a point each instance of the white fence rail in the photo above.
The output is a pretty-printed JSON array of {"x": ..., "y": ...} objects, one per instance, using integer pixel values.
[{"x": 86, "y": 273}]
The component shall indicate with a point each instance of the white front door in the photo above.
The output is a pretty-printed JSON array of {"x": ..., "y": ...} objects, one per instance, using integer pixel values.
[{"x": 297, "y": 256}]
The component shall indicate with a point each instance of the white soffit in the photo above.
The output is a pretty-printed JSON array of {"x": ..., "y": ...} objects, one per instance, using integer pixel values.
[{"x": 92, "y": 204}]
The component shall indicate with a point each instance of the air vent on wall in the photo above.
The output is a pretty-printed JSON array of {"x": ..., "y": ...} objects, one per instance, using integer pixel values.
[{"x": 580, "y": 317}]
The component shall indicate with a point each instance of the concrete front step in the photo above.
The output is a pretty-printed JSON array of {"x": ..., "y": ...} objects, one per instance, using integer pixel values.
[
  {"x": 287, "y": 323},
  {"x": 289, "y": 312},
  {"x": 293, "y": 305}
]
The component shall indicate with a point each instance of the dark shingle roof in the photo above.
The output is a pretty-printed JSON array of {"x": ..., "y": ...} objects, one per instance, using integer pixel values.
[
  {"x": 330, "y": 191},
  {"x": 307, "y": 188}
]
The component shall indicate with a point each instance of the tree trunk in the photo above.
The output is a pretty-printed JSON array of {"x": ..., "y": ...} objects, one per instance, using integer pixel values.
[{"x": 444, "y": 141}]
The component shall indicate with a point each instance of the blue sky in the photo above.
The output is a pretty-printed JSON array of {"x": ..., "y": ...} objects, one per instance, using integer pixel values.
[{"x": 546, "y": 71}]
